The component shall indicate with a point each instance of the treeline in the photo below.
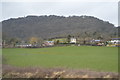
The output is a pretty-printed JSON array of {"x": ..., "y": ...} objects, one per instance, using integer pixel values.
[{"x": 47, "y": 27}]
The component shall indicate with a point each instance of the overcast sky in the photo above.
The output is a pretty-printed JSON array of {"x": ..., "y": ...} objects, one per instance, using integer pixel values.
[{"x": 105, "y": 10}]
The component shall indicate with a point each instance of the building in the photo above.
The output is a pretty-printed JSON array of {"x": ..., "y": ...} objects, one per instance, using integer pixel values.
[
  {"x": 96, "y": 40},
  {"x": 48, "y": 43},
  {"x": 25, "y": 45},
  {"x": 115, "y": 40},
  {"x": 73, "y": 40}
]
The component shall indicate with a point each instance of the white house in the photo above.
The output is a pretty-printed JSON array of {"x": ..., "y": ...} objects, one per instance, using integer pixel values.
[
  {"x": 73, "y": 40},
  {"x": 115, "y": 40}
]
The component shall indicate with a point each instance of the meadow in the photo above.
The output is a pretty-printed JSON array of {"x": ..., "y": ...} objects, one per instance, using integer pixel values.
[{"x": 74, "y": 57}]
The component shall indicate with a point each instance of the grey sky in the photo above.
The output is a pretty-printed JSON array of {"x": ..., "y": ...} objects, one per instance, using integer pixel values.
[{"x": 107, "y": 11}]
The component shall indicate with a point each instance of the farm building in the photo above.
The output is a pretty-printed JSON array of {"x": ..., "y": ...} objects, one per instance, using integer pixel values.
[
  {"x": 48, "y": 43},
  {"x": 115, "y": 40},
  {"x": 73, "y": 40},
  {"x": 97, "y": 42}
]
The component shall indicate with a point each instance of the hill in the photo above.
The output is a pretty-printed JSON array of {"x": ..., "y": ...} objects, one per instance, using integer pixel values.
[{"x": 57, "y": 26}]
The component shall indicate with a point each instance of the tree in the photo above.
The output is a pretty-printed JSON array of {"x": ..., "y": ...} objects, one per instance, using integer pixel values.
[
  {"x": 100, "y": 37},
  {"x": 68, "y": 38},
  {"x": 14, "y": 41},
  {"x": 33, "y": 40},
  {"x": 94, "y": 33},
  {"x": 57, "y": 42}
]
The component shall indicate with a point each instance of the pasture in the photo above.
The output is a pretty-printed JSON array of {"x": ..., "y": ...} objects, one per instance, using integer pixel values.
[{"x": 83, "y": 57}]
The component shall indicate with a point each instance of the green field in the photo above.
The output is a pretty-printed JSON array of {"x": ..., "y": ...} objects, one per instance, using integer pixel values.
[{"x": 74, "y": 57}]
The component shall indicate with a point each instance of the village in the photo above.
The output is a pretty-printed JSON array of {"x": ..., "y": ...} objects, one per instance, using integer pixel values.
[{"x": 61, "y": 41}]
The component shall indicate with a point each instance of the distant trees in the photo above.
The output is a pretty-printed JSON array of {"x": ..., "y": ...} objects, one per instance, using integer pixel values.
[
  {"x": 94, "y": 33},
  {"x": 100, "y": 37},
  {"x": 68, "y": 38},
  {"x": 57, "y": 42},
  {"x": 11, "y": 42},
  {"x": 35, "y": 41},
  {"x": 57, "y": 26}
]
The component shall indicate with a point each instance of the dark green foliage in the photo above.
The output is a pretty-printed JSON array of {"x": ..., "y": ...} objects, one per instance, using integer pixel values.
[
  {"x": 57, "y": 42},
  {"x": 68, "y": 38},
  {"x": 57, "y": 26}
]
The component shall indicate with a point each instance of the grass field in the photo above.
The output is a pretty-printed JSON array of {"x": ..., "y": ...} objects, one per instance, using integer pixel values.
[{"x": 83, "y": 57}]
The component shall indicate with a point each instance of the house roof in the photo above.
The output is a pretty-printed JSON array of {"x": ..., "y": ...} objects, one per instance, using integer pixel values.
[{"x": 96, "y": 40}]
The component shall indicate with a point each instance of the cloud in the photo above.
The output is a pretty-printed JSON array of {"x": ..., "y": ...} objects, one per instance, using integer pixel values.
[
  {"x": 103, "y": 10},
  {"x": 59, "y": 0}
]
